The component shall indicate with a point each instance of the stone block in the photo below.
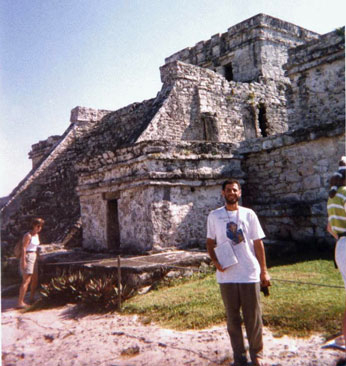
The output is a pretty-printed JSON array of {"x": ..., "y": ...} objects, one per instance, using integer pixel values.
[
  {"x": 291, "y": 198},
  {"x": 311, "y": 182},
  {"x": 200, "y": 57},
  {"x": 307, "y": 169},
  {"x": 83, "y": 114},
  {"x": 301, "y": 234},
  {"x": 292, "y": 177},
  {"x": 216, "y": 51},
  {"x": 319, "y": 209}
]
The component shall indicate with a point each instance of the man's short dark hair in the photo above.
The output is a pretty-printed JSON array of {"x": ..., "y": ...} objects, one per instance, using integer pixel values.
[{"x": 230, "y": 181}]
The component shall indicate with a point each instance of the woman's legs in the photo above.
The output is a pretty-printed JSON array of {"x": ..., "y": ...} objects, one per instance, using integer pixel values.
[
  {"x": 34, "y": 283},
  {"x": 23, "y": 289}
]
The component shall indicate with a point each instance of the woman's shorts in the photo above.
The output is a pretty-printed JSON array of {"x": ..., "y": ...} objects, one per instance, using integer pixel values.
[
  {"x": 31, "y": 263},
  {"x": 340, "y": 257}
]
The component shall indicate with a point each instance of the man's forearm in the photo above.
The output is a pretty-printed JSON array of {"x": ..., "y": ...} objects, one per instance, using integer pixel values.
[
  {"x": 261, "y": 257},
  {"x": 210, "y": 247},
  {"x": 331, "y": 232},
  {"x": 260, "y": 254}
]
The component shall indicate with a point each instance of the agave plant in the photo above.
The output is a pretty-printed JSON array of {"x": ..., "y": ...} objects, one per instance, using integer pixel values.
[
  {"x": 64, "y": 289},
  {"x": 100, "y": 293},
  {"x": 103, "y": 293}
]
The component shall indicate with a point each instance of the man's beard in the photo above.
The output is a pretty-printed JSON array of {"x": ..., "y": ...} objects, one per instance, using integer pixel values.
[{"x": 232, "y": 201}]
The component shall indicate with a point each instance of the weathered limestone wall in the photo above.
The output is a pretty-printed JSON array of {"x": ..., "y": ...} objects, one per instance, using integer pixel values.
[
  {"x": 288, "y": 178},
  {"x": 42, "y": 149},
  {"x": 48, "y": 190},
  {"x": 188, "y": 209},
  {"x": 181, "y": 117},
  {"x": 256, "y": 47},
  {"x": 94, "y": 217},
  {"x": 152, "y": 216},
  {"x": 165, "y": 160},
  {"x": 178, "y": 214},
  {"x": 317, "y": 73},
  {"x": 122, "y": 127},
  {"x": 165, "y": 189},
  {"x": 202, "y": 105},
  {"x": 135, "y": 214},
  {"x": 161, "y": 188}
]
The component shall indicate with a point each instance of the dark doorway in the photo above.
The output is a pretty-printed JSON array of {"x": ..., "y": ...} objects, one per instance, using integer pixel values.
[
  {"x": 262, "y": 120},
  {"x": 228, "y": 69},
  {"x": 113, "y": 229}
]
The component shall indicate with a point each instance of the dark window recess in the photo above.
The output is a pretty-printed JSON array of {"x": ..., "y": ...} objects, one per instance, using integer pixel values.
[
  {"x": 262, "y": 120},
  {"x": 228, "y": 71},
  {"x": 167, "y": 194},
  {"x": 113, "y": 229},
  {"x": 210, "y": 129}
]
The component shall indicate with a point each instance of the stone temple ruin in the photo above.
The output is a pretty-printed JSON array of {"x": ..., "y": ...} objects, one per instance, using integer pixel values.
[{"x": 263, "y": 102}]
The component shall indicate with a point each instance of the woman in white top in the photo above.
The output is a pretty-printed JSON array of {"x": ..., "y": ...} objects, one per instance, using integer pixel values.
[{"x": 28, "y": 261}]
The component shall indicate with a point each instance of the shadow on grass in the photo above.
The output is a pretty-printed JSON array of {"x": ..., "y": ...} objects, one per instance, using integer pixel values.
[{"x": 298, "y": 255}]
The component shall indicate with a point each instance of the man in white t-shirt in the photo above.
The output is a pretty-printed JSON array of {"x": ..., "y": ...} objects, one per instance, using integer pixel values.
[{"x": 236, "y": 227}]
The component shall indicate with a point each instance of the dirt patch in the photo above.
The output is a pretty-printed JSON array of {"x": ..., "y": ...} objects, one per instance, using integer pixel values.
[{"x": 64, "y": 337}]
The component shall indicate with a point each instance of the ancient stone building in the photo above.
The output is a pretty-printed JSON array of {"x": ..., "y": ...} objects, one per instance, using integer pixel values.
[
  {"x": 263, "y": 102},
  {"x": 317, "y": 74}
]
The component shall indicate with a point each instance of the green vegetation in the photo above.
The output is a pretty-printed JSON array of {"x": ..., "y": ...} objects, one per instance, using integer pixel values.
[
  {"x": 194, "y": 304},
  {"x": 99, "y": 294},
  {"x": 301, "y": 309},
  {"x": 251, "y": 97},
  {"x": 297, "y": 304},
  {"x": 291, "y": 308}
]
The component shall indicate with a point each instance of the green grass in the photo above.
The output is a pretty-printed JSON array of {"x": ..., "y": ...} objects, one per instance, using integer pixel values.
[
  {"x": 195, "y": 304},
  {"x": 301, "y": 309},
  {"x": 291, "y": 308}
]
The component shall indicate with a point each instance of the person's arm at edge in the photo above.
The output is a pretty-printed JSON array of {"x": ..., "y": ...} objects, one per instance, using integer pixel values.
[
  {"x": 261, "y": 257},
  {"x": 211, "y": 244},
  {"x": 331, "y": 232}
]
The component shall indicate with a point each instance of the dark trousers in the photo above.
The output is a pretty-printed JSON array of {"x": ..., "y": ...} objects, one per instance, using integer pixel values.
[{"x": 247, "y": 297}]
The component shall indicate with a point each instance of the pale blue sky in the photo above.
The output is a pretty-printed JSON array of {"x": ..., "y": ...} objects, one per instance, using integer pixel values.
[{"x": 57, "y": 54}]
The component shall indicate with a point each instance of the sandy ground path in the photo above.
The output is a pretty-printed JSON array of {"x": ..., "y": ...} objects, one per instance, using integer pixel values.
[{"x": 61, "y": 337}]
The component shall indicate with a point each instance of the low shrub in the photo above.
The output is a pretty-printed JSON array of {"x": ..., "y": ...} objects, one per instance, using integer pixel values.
[{"x": 99, "y": 294}]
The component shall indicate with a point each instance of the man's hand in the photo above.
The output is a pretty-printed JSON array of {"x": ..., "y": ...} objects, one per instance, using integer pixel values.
[
  {"x": 218, "y": 266},
  {"x": 265, "y": 278},
  {"x": 211, "y": 244},
  {"x": 261, "y": 257}
]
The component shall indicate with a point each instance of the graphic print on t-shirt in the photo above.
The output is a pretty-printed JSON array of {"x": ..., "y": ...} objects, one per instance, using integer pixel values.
[{"x": 233, "y": 233}]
